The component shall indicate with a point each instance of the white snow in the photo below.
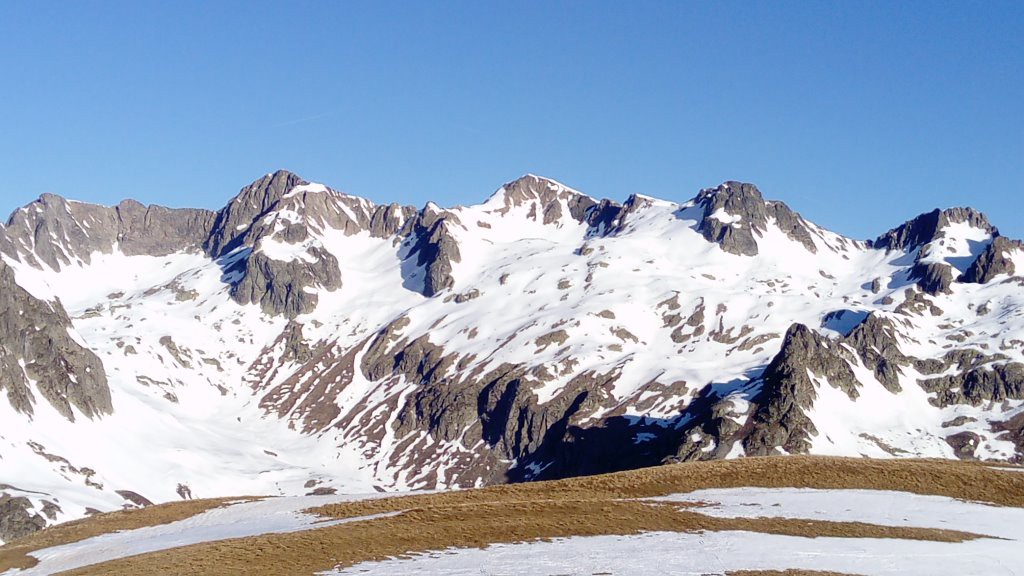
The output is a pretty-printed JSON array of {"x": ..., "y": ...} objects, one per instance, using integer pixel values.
[
  {"x": 658, "y": 553},
  {"x": 725, "y": 218},
  {"x": 958, "y": 245},
  {"x": 266, "y": 516}
]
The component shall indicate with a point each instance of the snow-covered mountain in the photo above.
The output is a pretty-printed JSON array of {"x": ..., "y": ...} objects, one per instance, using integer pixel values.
[{"x": 305, "y": 341}]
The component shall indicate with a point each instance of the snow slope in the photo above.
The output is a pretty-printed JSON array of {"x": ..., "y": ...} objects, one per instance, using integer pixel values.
[
  {"x": 238, "y": 520},
  {"x": 656, "y": 553}
]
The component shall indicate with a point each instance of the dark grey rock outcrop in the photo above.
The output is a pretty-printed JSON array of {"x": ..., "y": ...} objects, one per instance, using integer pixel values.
[
  {"x": 234, "y": 222},
  {"x": 498, "y": 407},
  {"x": 875, "y": 342},
  {"x": 285, "y": 287},
  {"x": 964, "y": 444},
  {"x": 17, "y": 518},
  {"x": 994, "y": 261},
  {"x": 386, "y": 221},
  {"x": 280, "y": 287},
  {"x": 780, "y": 419},
  {"x": 743, "y": 203},
  {"x": 546, "y": 198},
  {"x": 994, "y": 382},
  {"x": 51, "y": 231},
  {"x": 1012, "y": 430},
  {"x": 158, "y": 231},
  {"x": 738, "y": 200},
  {"x": 603, "y": 218},
  {"x": 787, "y": 391},
  {"x": 616, "y": 217},
  {"x": 933, "y": 277},
  {"x": 434, "y": 247},
  {"x": 37, "y": 345},
  {"x": 926, "y": 228}
]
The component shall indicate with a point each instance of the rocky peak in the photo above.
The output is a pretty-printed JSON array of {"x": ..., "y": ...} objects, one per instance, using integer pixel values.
[
  {"x": 604, "y": 217},
  {"x": 927, "y": 227},
  {"x": 159, "y": 231},
  {"x": 780, "y": 419},
  {"x": 545, "y": 197},
  {"x": 735, "y": 214},
  {"x": 281, "y": 208},
  {"x": 925, "y": 234},
  {"x": 607, "y": 217},
  {"x": 386, "y": 221},
  {"x": 252, "y": 202},
  {"x": 995, "y": 260},
  {"x": 787, "y": 390},
  {"x": 433, "y": 246},
  {"x": 55, "y": 231}
]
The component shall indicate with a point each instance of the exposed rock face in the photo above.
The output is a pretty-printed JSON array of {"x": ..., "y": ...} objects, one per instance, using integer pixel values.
[
  {"x": 37, "y": 347},
  {"x": 434, "y": 247},
  {"x": 158, "y": 231},
  {"x": 926, "y": 227},
  {"x": 498, "y": 407},
  {"x": 235, "y": 221},
  {"x": 17, "y": 518},
  {"x": 964, "y": 444},
  {"x": 735, "y": 215},
  {"x": 994, "y": 261},
  {"x": 983, "y": 382},
  {"x": 876, "y": 345},
  {"x": 546, "y": 199},
  {"x": 386, "y": 221},
  {"x": 283, "y": 208},
  {"x": 609, "y": 218},
  {"x": 604, "y": 217},
  {"x": 52, "y": 231},
  {"x": 285, "y": 287},
  {"x": 732, "y": 200},
  {"x": 787, "y": 391},
  {"x": 934, "y": 277},
  {"x": 1013, "y": 431}
]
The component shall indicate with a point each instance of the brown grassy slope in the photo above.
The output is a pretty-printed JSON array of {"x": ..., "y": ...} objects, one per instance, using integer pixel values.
[
  {"x": 14, "y": 553},
  {"x": 464, "y": 527},
  {"x": 582, "y": 506},
  {"x": 955, "y": 479},
  {"x": 785, "y": 573}
]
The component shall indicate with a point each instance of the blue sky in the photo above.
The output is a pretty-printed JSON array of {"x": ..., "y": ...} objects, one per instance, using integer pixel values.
[{"x": 858, "y": 114}]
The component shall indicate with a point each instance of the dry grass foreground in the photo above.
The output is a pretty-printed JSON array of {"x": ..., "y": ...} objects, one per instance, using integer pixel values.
[
  {"x": 597, "y": 505},
  {"x": 15, "y": 554}
]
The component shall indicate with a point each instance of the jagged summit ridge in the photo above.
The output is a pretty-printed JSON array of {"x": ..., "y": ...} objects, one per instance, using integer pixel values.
[
  {"x": 928, "y": 226},
  {"x": 735, "y": 215},
  {"x": 545, "y": 198}
]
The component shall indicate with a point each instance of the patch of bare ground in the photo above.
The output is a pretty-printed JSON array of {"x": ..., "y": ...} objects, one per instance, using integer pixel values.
[
  {"x": 785, "y": 573},
  {"x": 592, "y": 506},
  {"x": 472, "y": 526},
  {"x": 14, "y": 554}
]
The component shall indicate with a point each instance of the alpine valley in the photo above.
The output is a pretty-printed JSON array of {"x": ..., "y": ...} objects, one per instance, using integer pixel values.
[{"x": 305, "y": 341}]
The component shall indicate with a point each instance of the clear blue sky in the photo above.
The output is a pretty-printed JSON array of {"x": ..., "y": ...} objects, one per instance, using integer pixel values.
[{"x": 858, "y": 114}]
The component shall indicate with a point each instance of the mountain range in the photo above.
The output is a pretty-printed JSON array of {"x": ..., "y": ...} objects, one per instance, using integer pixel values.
[{"x": 301, "y": 340}]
